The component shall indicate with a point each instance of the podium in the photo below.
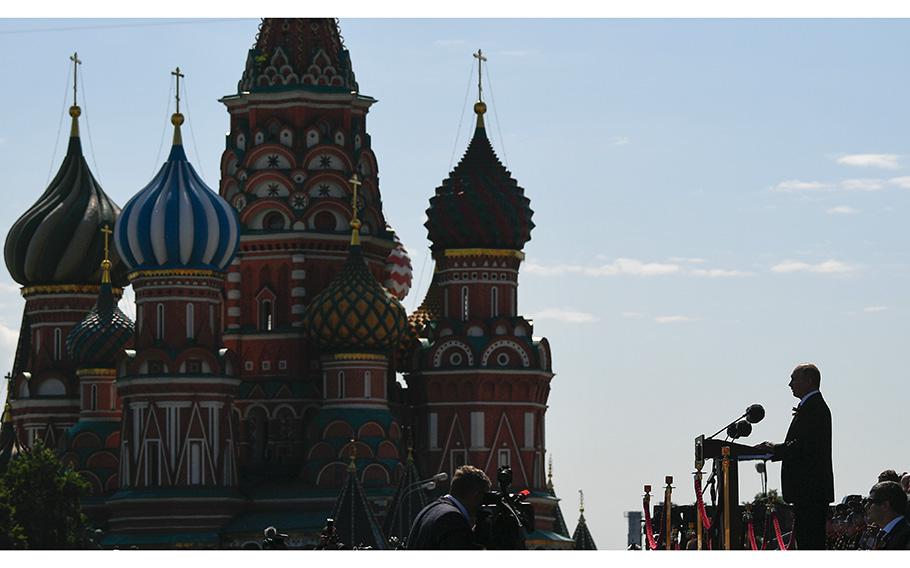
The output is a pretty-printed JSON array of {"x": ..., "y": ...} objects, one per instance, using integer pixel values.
[{"x": 738, "y": 452}]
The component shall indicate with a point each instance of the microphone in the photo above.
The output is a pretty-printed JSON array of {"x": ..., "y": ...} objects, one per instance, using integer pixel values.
[
  {"x": 739, "y": 429},
  {"x": 755, "y": 413}
]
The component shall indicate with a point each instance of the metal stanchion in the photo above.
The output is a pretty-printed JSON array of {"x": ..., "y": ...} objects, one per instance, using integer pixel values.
[
  {"x": 725, "y": 451},
  {"x": 667, "y": 493}
]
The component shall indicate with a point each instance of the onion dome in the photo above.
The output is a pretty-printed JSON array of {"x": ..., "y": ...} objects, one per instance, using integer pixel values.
[
  {"x": 397, "y": 274},
  {"x": 98, "y": 338},
  {"x": 176, "y": 221},
  {"x": 354, "y": 313},
  {"x": 291, "y": 53},
  {"x": 57, "y": 240},
  {"x": 430, "y": 309},
  {"x": 479, "y": 205}
]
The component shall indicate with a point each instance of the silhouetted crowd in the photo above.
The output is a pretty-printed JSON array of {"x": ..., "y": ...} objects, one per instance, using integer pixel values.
[{"x": 855, "y": 523}]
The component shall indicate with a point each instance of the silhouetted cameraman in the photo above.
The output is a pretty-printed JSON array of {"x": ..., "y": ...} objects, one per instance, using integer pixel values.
[
  {"x": 274, "y": 540},
  {"x": 445, "y": 524}
]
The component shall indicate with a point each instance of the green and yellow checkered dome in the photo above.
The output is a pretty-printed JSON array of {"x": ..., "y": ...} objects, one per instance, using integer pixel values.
[{"x": 355, "y": 313}]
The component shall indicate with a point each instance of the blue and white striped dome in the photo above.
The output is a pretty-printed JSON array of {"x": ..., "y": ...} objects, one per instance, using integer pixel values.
[{"x": 177, "y": 222}]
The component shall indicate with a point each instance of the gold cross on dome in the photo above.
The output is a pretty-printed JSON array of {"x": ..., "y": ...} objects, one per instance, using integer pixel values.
[
  {"x": 581, "y": 501},
  {"x": 480, "y": 59},
  {"x": 107, "y": 232},
  {"x": 355, "y": 185},
  {"x": 76, "y": 63},
  {"x": 176, "y": 72}
]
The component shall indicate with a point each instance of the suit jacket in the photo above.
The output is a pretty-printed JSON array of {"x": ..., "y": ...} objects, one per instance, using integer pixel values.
[
  {"x": 899, "y": 537},
  {"x": 807, "y": 475},
  {"x": 441, "y": 526}
]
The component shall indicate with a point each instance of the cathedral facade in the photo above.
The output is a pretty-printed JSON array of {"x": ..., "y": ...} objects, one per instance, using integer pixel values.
[{"x": 259, "y": 383}]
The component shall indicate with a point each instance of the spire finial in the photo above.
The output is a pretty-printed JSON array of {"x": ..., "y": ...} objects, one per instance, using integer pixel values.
[
  {"x": 352, "y": 465},
  {"x": 106, "y": 263},
  {"x": 75, "y": 111},
  {"x": 581, "y": 501},
  {"x": 177, "y": 118},
  {"x": 480, "y": 107},
  {"x": 355, "y": 221},
  {"x": 410, "y": 453}
]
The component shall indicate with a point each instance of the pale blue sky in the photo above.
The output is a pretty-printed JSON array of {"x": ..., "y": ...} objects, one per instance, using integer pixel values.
[{"x": 715, "y": 202}]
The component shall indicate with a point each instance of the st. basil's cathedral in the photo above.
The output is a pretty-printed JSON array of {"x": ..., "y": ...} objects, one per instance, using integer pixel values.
[{"x": 257, "y": 385}]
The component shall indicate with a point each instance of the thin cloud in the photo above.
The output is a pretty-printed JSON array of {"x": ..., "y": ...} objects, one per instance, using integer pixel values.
[
  {"x": 672, "y": 319},
  {"x": 827, "y": 267},
  {"x": 632, "y": 315},
  {"x": 620, "y": 266},
  {"x": 687, "y": 260},
  {"x": 796, "y": 186},
  {"x": 566, "y": 315},
  {"x": 863, "y": 184},
  {"x": 842, "y": 210},
  {"x": 719, "y": 273},
  {"x": 902, "y": 182},
  {"x": 874, "y": 309},
  {"x": 9, "y": 288},
  {"x": 620, "y": 140},
  {"x": 883, "y": 161}
]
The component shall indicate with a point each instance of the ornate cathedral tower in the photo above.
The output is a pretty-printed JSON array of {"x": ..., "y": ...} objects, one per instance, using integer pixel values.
[
  {"x": 357, "y": 325},
  {"x": 95, "y": 345},
  {"x": 297, "y": 133},
  {"x": 481, "y": 381},
  {"x": 54, "y": 251},
  {"x": 178, "y": 454}
]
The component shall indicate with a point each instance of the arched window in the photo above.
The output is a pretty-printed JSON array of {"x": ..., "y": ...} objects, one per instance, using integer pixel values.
[
  {"x": 367, "y": 385},
  {"x": 324, "y": 222},
  {"x": 494, "y": 302},
  {"x": 464, "y": 303},
  {"x": 159, "y": 322},
  {"x": 58, "y": 344},
  {"x": 274, "y": 221},
  {"x": 265, "y": 315},
  {"x": 93, "y": 398},
  {"x": 190, "y": 321},
  {"x": 341, "y": 384}
]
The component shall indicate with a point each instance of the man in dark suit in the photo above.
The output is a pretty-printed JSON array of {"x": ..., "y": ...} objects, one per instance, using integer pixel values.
[
  {"x": 887, "y": 507},
  {"x": 445, "y": 524},
  {"x": 807, "y": 475}
]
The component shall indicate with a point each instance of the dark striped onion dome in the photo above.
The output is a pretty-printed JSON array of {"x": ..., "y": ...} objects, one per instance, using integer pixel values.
[
  {"x": 58, "y": 240},
  {"x": 355, "y": 313},
  {"x": 479, "y": 205},
  {"x": 98, "y": 338},
  {"x": 176, "y": 221}
]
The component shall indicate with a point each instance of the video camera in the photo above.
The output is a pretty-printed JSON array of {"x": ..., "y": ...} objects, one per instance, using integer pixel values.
[{"x": 504, "y": 518}]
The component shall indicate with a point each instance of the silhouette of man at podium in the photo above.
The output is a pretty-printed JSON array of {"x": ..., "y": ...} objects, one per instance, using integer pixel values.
[{"x": 807, "y": 475}]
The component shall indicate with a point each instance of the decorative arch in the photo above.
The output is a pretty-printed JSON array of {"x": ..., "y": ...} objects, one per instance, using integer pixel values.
[
  {"x": 338, "y": 429},
  {"x": 370, "y": 430},
  {"x": 337, "y": 159},
  {"x": 387, "y": 450},
  {"x": 316, "y": 220},
  {"x": 86, "y": 440},
  {"x": 51, "y": 386},
  {"x": 256, "y": 215},
  {"x": 509, "y": 345},
  {"x": 363, "y": 450},
  {"x": 321, "y": 451},
  {"x": 95, "y": 486},
  {"x": 258, "y": 158},
  {"x": 268, "y": 183},
  {"x": 102, "y": 460},
  {"x": 331, "y": 475},
  {"x": 375, "y": 474},
  {"x": 452, "y": 344}
]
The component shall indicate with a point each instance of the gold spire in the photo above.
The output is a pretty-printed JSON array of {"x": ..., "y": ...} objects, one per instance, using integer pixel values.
[
  {"x": 581, "y": 502},
  {"x": 550, "y": 474},
  {"x": 75, "y": 111},
  {"x": 351, "y": 465},
  {"x": 355, "y": 222},
  {"x": 480, "y": 107},
  {"x": 106, "y": 263},
  {"x": 410, "y": 454},
  {"x": 177, "y": 118}
]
